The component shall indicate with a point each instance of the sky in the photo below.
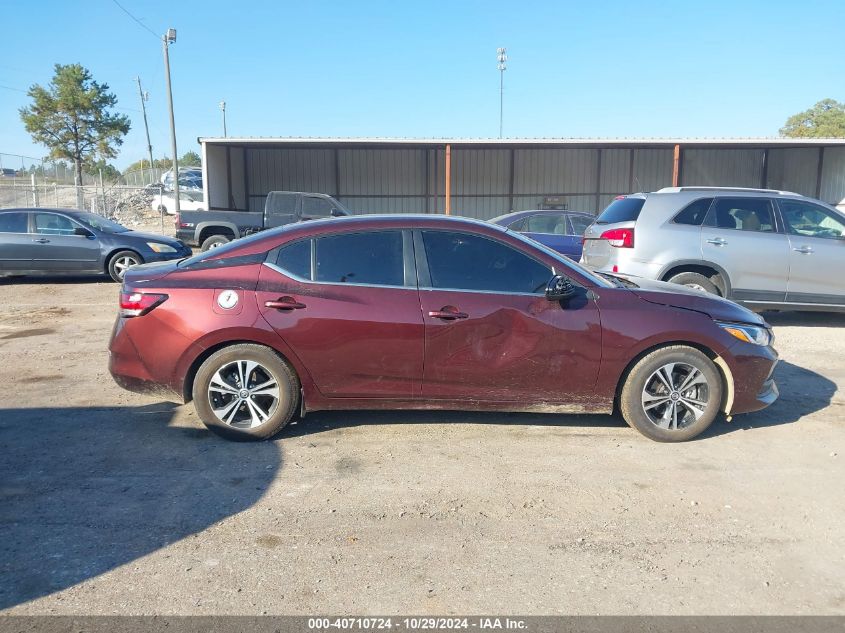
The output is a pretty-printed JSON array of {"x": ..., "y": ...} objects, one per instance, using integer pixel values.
[{"x": 398, "y": 68}]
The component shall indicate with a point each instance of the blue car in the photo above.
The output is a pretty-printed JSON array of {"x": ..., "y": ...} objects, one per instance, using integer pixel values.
[
  {"x": 559, "y": 230},
  {"x": 62, "y": 241}
]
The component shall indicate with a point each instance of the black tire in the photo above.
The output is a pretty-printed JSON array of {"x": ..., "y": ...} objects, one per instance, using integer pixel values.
[
  {"x": 697, "y": 281},
  {"x": 120, "y": 261},
  {"x": 242, "y": 425},
  {"x": 214, "y": 241},
  {"x": 643, "y": 375}
]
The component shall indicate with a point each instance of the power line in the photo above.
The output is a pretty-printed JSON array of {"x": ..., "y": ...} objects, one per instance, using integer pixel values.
[
  {"x": 10, "y": 88},
  {"x": 141, "y": 24}
]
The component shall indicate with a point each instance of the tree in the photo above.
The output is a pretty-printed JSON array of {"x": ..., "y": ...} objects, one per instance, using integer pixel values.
[
  {"x": 110, "y": 172},
  {"x": 826, "y": 119},
  {"x": 190, "y": 159},
  {"x": 144, "y": 163},
  {"x": 71, "y": 117}
]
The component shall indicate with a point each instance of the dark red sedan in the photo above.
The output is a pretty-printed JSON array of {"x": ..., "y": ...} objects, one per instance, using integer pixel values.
[{"x": 430, "y": 312}]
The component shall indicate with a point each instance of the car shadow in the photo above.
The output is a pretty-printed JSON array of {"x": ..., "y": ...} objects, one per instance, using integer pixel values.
[
  {"x": 805, "y": 319},
  {"x": 57, "y": 279},
  {"x": 86, "y": 490},
  {"x": 802, "y": 392}
]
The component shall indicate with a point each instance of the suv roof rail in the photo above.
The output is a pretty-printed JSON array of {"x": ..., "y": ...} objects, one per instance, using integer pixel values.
[{"x": 741, "y": 189}]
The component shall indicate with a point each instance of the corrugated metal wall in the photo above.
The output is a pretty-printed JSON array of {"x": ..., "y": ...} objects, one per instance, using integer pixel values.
[{"x": 490, "y": 181}]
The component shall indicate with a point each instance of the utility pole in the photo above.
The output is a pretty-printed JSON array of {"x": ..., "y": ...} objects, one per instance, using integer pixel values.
[
  {"x": 223, "y": 109},
  {"x": 166, "y": 39},
  {"x": 145, "y": 96},
  {"x": 502, "y": 57}
]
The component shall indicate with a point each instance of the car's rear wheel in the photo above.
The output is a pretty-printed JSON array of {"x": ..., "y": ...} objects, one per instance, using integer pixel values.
[
  {"x": 672, "y": 394},
  {"x": 122, "y": 261},
  {"x": 245, "y": 392},
  {"x": 214, "y": 241},
  {"x": 696, "y": 281}
]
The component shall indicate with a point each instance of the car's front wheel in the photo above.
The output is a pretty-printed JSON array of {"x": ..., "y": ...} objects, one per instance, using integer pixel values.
[
  {"x": 245, "y": 392},
  {"x": 672, "y": 394},
  {"x": 122, "y": 261}
]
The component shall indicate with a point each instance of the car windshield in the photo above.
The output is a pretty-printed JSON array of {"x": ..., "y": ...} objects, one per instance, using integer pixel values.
[
  {"x": 599, "y": 281},
  {"x": 100, "y": 223}
]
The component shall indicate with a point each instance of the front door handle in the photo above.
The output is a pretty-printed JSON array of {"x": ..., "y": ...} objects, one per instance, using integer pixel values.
[
  {"x": 42, "y": 240},
  {"x": 717, "y": 241},
  {"x": 804, "y": 249},
  {"x": 284, "y": 303},
  {"x": 448, "y": 313}
]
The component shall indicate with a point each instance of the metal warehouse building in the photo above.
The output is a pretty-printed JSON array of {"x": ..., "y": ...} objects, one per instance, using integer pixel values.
[{"x": 485, "y": 178}]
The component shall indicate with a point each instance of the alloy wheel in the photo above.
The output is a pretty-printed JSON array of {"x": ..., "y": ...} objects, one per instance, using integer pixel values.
[
  {"x": 243, "y": 394},
  {"x": 123, "y": 263},
  {"x": 675, "y": 396}
]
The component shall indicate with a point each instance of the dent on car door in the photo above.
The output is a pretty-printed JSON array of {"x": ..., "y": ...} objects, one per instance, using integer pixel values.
[
  {"x": 59, "y": 249},
  {"x": 491, "y": 335},
  {"x": 348, "y": 307},
  {"x": 741, "y": 236},
  {"x": 16, "y": 242},
  {"x": 817, "y": 252}
]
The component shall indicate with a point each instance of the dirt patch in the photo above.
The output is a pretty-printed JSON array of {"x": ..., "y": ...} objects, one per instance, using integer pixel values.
[{"x": 27, "y": 333}]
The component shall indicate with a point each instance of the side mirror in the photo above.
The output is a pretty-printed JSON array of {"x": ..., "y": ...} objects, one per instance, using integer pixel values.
[
  {"x": 83, "y": 232},
  {"x": 559, "y": 288},
  {"x": 337, "y": 213}
]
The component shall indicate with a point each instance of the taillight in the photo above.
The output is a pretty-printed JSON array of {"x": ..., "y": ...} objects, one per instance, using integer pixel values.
[
  {"x": 176, "y": 221},
  {"x": 620, "y": 238},
  {"x": 134, "y": 304}
]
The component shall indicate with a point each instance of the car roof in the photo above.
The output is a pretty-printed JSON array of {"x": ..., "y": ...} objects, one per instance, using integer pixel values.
[{"x": 42, "y": 209}]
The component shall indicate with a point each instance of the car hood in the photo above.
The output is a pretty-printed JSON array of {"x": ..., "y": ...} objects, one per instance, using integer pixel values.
[
  {"x": 150, "y": 237},
  {"x": 675, "y": 295}
]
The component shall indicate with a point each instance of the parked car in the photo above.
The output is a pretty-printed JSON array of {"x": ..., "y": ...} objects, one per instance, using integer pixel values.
[
  {"x": 210, "y": 229},
  {"x": 188, "y": 201},
  {"x": 559, "y": 230},
  {"x": 429, "y": 312},
  {"x": 61, "y": 241},
  {"x": 189, "y": 178},
  {"x": 763, "y": 248}
]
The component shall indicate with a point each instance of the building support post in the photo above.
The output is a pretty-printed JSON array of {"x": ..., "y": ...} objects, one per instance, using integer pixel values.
[
  {"x": 764, "y": 172},
  {"x": 819, "y": 174},
  {"x": 448, "y": 207},
  {"x": 676, "y": 167}
]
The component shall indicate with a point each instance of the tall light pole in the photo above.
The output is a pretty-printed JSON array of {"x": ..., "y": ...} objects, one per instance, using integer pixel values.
[
  {"x": 167, "y": 39},
  {"x": 502, "y": 57},
  {"x": 223, "y": 109},
  {"x": 145, "y": 96}
]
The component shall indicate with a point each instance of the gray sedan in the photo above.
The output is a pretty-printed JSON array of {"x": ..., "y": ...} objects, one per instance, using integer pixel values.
[{"x": 65, "y": 241}]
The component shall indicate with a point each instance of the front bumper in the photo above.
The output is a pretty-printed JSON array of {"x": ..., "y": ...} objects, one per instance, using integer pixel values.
[{"x": 753, "y": 370}]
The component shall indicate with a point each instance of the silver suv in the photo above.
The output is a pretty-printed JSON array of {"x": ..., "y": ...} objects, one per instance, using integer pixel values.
[{"x": 766, "y": 249}]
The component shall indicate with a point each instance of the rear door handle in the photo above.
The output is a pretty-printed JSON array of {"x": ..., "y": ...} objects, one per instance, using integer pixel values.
[
  {"x": 448, "y": 313},
  {"x": 42, "y": 240},
  {"x": 284, "y": 303},
  {"x": 804, "y": 249},
  {"x": 717, "y": 241}
]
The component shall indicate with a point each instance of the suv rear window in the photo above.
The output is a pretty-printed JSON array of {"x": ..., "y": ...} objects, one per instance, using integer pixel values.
[{"x": 621, "y": 210}]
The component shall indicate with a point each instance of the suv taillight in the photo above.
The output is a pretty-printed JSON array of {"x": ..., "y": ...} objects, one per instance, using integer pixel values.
[
  {"x": 620, "y": 238},
  {"x": 134, "y": 304},
  {"x": 176, "y": 220}
]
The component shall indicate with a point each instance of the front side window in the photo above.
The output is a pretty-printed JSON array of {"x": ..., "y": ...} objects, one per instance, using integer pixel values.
[
  {"x": 13, "y": 223},
  {"x": 810, "y": 220},
  {"x": 546, "y": 223},
  {"x": 459, "y": 261},
  {"x": 361, "y": 258},
  {"x": 316, "y": 207},
  {"x": 296, "y": 259},
  {"x": 52, "y": 224},
  {"x": 580, "y": 224},
  {"x": 694, "y": 213},
  {"x": 281, "y": 203},
  {"x": 742, "y": 214}
]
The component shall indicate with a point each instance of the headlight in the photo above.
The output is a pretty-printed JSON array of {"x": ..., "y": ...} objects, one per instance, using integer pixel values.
[
  {"x": 748, "y": 333},
  {"x": 161, "y": 248}
]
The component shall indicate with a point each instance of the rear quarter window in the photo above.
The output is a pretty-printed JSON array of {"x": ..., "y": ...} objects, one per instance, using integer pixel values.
[
  {"x": 621, "y": 210},
  {"x": 694, "y": 213}
]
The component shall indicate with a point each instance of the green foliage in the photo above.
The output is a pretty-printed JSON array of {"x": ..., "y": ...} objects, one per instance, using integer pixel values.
[
  {"x": 826, "y": 119},
  {"x": 110, "y": 172},
  {"x": 144, "y": 163},
  {"x": 190, "y": 159},
  {"x": 71, "y": 117}
]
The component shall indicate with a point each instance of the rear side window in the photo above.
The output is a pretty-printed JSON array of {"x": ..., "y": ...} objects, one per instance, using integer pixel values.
[
  {"x": 742, "y": 214},
  {"x": 621, "y": 210},
  {"x": 13, "y": 223},
  {"x": 361, "y": 258},
  {"x": 458, "y": 261},
  {"x": 296, "y": 259},
  {"x": 694, "y": 213}
]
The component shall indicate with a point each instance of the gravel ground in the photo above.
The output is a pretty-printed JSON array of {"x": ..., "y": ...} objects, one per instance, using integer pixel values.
[{"x": 113, "y": 503}]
